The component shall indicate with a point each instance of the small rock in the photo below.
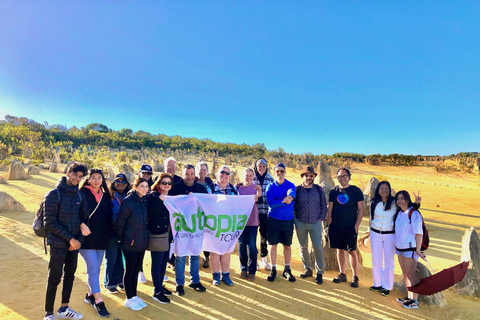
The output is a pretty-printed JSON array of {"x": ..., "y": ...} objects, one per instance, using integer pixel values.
[
  {"x": 33, "y": 171},
  {"x": 8, "y": 203}
]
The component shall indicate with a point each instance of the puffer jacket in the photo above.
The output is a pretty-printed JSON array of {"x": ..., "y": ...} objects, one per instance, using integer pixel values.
[
  {"x": 131, "y": 223},
  {"x": 63, "y": 216},
  {"x": 158, "y": 216}
]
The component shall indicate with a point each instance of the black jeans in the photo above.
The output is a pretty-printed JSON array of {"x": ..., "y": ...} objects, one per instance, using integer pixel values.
[
  {"x": 133, "y": 263},
  {"x": 263, "y": 235},
  {"x": 61, "y": 261},
  {"x": 159, "y": 266}
]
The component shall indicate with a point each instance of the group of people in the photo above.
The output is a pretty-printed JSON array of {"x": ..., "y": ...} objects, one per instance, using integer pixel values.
[{"x": 83, "y": 214}]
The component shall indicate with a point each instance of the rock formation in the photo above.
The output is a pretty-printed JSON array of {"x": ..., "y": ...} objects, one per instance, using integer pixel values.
[
  {"x": 470, "y": 285},
  {"x": 32, "y": 170},
  {"x": 16, "y": 171},
  {"x": 8, "y": 203}
]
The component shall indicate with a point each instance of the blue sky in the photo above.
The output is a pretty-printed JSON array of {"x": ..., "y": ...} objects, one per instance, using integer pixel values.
[{"x": 311, "y": 76}]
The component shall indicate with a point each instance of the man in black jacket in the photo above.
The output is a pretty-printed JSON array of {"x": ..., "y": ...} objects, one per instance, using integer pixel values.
[
  {"x": 65, "y": 217},
  {"x": 186, "y": 186}
]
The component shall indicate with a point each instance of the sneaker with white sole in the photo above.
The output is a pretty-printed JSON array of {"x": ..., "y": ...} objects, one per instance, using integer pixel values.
[
  {"x": 141, "y": 277},
  {"x": 165, "y": 279},
  {"x": 132, "y": 304},
  {"x": 140, "y": 301},
  {"x": 265, "y": 265},
  {"x": 69, "y": 314},
  {"x": 402, "y": 300},
  {"x": 411, "y": 304},
  {"x": 161, "y": 298},
  {"x": 50, "y": 317}
]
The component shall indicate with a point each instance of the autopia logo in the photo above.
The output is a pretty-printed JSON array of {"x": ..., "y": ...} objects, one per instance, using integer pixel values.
[{"x": 231, "y": 223}]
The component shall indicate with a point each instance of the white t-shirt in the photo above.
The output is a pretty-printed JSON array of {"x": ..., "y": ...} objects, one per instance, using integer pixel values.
[
  {"x": 383, "y": 220},
  {"x": 406, "y": 229}
]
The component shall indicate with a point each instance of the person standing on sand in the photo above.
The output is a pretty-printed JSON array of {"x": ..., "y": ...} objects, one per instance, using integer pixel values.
[
  {"x": 221, "y": 262},
  {"x": 201, "y": 170},
  {"x": 382, "y": 237},
  {"x": 131, "y": 227},
  {"x": 100, "y": 224},
  {"x": 344, "y": 215},
  {"x": 65, "y": 217},
  {"x": 280, "y": 196},
  {"x": 186, "y": 186},
  {"x": 262, "y": 178},
  {"x": 310, "y": 210},
  {"x": 408, "y": 243},
  {"x": 248, "y": 238},
  {"x": 146, "y": 173}
]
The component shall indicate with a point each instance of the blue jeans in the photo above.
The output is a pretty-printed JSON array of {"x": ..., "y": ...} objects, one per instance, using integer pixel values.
[
  {"x": 93, "y": 260},
  {"x": 248, "y": 239},
  {"x": 113, "y": 265},
  {"x": 159, "y": 266},
  {"x": 180, "y": 269}
]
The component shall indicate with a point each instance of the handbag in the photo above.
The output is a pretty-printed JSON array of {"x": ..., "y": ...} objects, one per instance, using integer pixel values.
[{"x": 159, "y": 242}]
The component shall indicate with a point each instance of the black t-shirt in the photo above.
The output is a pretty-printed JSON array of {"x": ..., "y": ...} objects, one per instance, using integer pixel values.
[
  {"x": 345, "y": 208},
  {"x": 182, "y": 188}
]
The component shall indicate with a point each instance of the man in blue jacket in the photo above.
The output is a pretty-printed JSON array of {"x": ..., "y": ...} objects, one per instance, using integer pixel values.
[{"x": 280, "y": 196}]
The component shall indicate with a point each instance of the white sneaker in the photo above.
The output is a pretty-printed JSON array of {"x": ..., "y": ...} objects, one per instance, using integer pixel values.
[
  {"x": 69, "y": 314},
  {"x": 141, "y": 277},
  {"x": 50, "y": 317},
  {"x": 165, "y": 279},
  {"x": 265, "y": 265},
  {"x": 258, "y": 266},
  {"x": 140, "y": 301},
  {"x": 132, "y": 304}
]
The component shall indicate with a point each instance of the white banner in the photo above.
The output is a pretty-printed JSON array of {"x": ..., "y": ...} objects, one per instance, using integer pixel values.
[{"x": 207, "y": 222}]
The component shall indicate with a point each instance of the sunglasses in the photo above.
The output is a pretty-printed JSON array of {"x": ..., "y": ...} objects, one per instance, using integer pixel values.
[
  {"x": 121, "y": 182},
  {"x": 309, "y": 175},
  {"x": 165, "y": 183},
  {"x": 280, "y": 171},
  {"x": 225, "y": 172}
]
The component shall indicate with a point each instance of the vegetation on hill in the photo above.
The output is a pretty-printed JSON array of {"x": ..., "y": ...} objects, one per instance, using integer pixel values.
[{"x": 25, "y": 138}]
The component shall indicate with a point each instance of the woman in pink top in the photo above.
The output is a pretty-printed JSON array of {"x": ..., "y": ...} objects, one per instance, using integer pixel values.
[{"x": 248, "y": 239}]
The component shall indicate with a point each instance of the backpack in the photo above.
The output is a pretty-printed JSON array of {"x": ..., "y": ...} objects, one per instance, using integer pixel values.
[
  {"x": 425, "y": 237},
  {"x": 38, "y": 224}
]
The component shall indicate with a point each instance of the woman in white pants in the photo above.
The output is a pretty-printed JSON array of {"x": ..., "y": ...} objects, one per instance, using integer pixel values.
[{"x": 382, "y": 237}]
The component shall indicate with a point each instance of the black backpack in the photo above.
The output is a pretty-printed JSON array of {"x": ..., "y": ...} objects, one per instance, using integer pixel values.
[{"x": 38, "y": 224}]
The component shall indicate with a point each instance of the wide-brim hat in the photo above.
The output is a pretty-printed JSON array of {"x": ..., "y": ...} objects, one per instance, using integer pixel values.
[{"x": 308, "y": 169}]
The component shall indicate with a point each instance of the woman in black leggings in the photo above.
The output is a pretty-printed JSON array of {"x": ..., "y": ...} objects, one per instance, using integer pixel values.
[{"x": 132, "y": 233}]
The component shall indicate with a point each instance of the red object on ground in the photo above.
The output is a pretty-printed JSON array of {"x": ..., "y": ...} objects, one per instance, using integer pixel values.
[{"x": 441, "y": 280}]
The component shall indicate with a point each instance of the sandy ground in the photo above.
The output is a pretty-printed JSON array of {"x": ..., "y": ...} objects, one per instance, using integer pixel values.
[{"x": 449, "y": 206}]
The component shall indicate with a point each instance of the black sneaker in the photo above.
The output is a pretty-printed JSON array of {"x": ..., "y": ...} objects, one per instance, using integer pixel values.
[
  {"x": 180, "y": 291},
  {"x": 161, "y": 298},
  {"x": 288, "y": 275},
  {"x": 121, "y": 287},
  {"x": 402, "y": 300},
  {"x": 272, "y": 275},
  {"x": 341, "y": 277},
  {"x": 101, "y": 310},
  {"x": 385, "y": 292},
  {"x": 373, "y": 288},
  {"x": 319, "y": 278},
  {"x": 354, "y": 282},
  {"x": 197, "y": 287},
  {"x": 112, "y": 290},
  {"x": 307, "y": 273},
  {"x": 411, "y": 304},
  {"x": 166, "y": 292},
  {"x": 90, "y": 300}
]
